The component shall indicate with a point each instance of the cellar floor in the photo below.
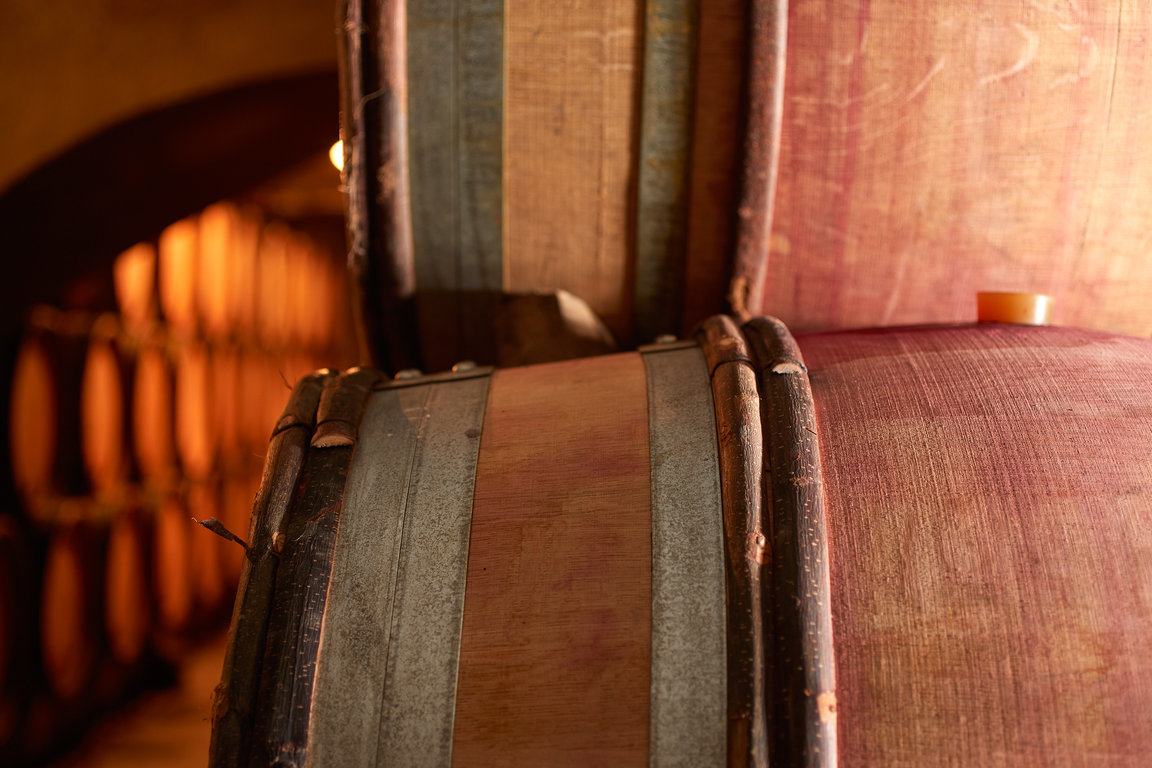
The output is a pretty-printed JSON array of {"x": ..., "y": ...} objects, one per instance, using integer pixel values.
[{"x": 168, "y": 727}]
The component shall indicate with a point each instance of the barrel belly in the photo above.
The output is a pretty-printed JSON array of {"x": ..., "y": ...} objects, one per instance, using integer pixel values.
[
  {"x": 989, "y": 491},
  {"x": 910, "y": 546},
  {"x": 515, "y": 567}
]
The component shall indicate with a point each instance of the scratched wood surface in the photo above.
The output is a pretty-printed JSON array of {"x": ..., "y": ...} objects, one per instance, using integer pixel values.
[
  {"x": 988, "y": 496},
  {"x": 934, "y": 151},
  {"x": 570, "y": 146},
  {"x": 455, "y": 130},
  {"x": 554, "y": 663},
  {"x": 716, "y": 153},
  {"x": 667, "y": 101},
  {"x": 571, "y": 115}
]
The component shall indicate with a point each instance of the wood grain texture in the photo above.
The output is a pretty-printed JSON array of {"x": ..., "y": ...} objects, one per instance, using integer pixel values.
[
  {"x": 716, "y": 152},
  {"x": 767, "y": 42},
  {"x": 44, "y": 415},
  {"x": 571, "y": 119},
  {"x": 455, "y": 122},
  {"x": 801, "y": 664},
  {"x": 456, "y": 132},
  {"x": 374, "y": 129},
  {"x": 988, "y": 495},
  {"x": 554, "y": 663},
  {"x": 663, "y": 164},
  {"x": 929, "y": 153},
  {"x": 740, "y": 440}
]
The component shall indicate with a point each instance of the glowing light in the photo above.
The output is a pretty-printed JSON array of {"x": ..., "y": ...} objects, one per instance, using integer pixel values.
[{"x": 336, "y": 155}]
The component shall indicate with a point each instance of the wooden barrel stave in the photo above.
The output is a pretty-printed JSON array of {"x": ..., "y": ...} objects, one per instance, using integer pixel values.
[
  {"x": 44, "y": 410},
  {"x": 942, "y": 558}
]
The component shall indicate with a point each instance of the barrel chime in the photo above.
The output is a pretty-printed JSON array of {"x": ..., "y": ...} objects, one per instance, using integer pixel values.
[{"x": 126, "y": 427}]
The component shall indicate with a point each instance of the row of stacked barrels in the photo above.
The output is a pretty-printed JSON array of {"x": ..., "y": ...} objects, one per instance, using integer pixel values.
[{"x": 127, "y": 427}]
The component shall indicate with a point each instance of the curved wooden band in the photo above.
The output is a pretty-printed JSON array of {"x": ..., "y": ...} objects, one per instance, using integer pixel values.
[
  {"x": 374, "y": 128},
  {"x": 740, "y": 438},
  {"x": 234, "y": 700},
  {"x": 338, "y": 415},
  {"x": 768, "y": 38},
  {"x": 303, "y": 402},
  {"x": 801, "y": 664}
]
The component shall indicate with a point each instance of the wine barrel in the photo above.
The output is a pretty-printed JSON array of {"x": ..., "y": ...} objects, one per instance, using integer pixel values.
[
  {"x": 134, "y": 279},
  {"x": 216, "y": 250},
  {"x": 275, "y": 287},
  {"x": 127, "y": 597},
  {"x": 591, "y": 148},
  {"x": 173, "y": 582},
  {"x": 67, "y": 412},
  {"x": 70, "y": 608},
  {"x": 243, "y": 275},
  {"x": 989, "y": 497},
  {"x": 105, "y": 392},
  {"x": 43, "y": 419},
  {"x": 905, "y": 546},
  {"x": 227, "y": 415},
  {"x": 256, "y": 371},
  {"x": 195, "y": 410},
  {"x": 153, "y": 412},
  {"x": 177, "y": 271}
]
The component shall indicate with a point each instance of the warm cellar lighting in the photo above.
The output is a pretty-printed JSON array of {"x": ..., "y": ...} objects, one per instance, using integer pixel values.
[{"x": 336, "y": 155}]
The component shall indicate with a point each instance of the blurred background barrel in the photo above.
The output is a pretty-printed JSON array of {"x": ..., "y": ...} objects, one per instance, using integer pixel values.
[
  {"x": 125, "y": 428},
  {"x": 71, "y": 607},
  {"x": 44, "y": 407},
  {"x": 153, "y": 412},
  {"x": 128, "y": 612}
]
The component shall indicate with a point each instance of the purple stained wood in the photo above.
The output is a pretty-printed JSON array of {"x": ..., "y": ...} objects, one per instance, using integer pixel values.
[{"x": 989, "y": 507}]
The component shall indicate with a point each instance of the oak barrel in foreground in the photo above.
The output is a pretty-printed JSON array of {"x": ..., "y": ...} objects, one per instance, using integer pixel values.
[{"x": 897, "y": 547}]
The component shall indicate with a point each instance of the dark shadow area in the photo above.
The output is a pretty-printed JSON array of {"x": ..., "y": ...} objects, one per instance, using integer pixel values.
[{"x": 73, "y": 215}]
